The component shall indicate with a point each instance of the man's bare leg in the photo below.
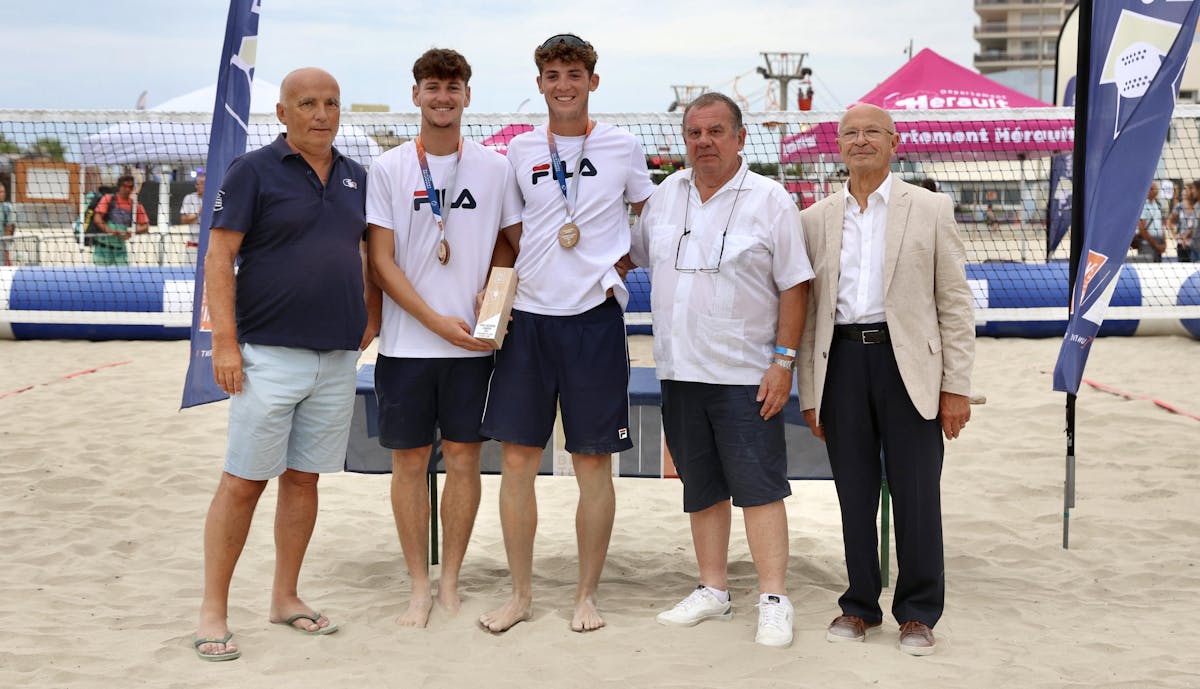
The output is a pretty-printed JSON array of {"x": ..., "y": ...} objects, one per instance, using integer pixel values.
[
  {"x": 410, "y": 508},
  {"x": 767, "y": 536},
  {"x": 225, "y": 531},
  {"x": 518, "y": 521},
  {"x": 593, "y": 531},
  {"x": 460, "y": 503},
  {"x": 710, "y": 538},
  {"x": 295, "y": 517}
]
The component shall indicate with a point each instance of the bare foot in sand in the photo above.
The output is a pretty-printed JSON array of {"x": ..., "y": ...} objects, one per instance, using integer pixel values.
[
  {"x": 448, "y": 599},
  {"x": 503, "y": 618},
  {"x": 417, "y": 614},
  {"x": 587, "y": 617}
]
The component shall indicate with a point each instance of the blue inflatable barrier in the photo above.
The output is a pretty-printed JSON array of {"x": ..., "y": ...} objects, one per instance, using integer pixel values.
[
  {"x": 88, "y": 303},
  {"x": 1040, "y": 286},
  {"x": 1011, "y": 300}
]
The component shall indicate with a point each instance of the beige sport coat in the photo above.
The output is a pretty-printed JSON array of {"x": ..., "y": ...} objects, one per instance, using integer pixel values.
[{"x": 930, "y": 316}]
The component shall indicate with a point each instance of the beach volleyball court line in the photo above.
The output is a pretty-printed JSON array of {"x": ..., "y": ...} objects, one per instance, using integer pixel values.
[
  {"x": 68, "y": 376},
  {"x": 1134, "y": 396}
]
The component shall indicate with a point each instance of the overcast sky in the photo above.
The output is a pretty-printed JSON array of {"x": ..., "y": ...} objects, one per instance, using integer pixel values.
[{"x": 83, "y": 54}]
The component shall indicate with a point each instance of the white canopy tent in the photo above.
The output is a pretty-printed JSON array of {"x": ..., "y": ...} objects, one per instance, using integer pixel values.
[
  {"x": 184, "y": 141},
  {"x": 263, "y": 96},
  {"x": 175, "y": 134}
]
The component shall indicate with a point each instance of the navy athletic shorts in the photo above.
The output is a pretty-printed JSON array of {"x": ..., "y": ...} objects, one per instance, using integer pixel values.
[
  {"x": 581, "y": 363},
  {"x": 418, "y": 396}
]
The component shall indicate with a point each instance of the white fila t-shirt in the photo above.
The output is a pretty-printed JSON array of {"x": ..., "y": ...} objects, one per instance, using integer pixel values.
[
  {"x": 555, "y": 281},
  {"x": 484, "y": 199}
]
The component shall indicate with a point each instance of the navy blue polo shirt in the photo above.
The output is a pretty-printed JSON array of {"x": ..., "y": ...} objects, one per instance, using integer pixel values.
[{"x": 299, "y": 279}]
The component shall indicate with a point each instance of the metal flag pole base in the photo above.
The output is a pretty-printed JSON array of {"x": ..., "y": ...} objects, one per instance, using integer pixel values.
[{"x": 1069, "y": 481}]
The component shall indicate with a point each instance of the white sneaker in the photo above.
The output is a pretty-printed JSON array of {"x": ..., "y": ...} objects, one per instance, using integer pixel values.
[
  {"x": 700, "y": 605},
  {"x": 774, "y": 622}
]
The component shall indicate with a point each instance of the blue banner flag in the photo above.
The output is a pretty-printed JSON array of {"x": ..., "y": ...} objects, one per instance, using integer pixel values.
[
  {"x": 1138, "y": 52},
  {"x": 231, "y": 112}
]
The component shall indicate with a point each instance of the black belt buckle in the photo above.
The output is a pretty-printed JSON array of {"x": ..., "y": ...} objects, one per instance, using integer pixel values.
[{"x": 873, "y": 336}]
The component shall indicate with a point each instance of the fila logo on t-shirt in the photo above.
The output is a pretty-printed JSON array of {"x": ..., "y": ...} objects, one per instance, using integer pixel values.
[
  {"x": 586, "y": 169},
  {"x": 464, "y": 200}
]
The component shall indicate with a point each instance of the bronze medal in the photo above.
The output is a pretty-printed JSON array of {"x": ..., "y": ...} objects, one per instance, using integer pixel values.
[
  {"x": 443, "y": 252},
  {"x": 568, "y": 236}
]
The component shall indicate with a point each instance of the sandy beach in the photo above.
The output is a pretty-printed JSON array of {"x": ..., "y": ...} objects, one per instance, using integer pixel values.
[{"x": 105, "y": 484}]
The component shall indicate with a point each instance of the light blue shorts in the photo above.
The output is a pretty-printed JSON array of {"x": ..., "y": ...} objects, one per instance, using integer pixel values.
[{"x": 293, "y": 412}]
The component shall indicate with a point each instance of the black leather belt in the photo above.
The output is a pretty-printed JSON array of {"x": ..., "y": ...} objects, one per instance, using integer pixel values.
[{"x": 865, "y": 333}]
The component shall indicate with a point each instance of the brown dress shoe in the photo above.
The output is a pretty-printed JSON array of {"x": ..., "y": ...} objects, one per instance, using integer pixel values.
[
  {"x": 848, "y": 628},
  {"x": 916, "y": 639}
]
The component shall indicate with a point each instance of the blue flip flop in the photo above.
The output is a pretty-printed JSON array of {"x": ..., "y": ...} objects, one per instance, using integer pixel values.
[
  {"x": 314, "y": 617},
  {"x": 215, "y": 657}
]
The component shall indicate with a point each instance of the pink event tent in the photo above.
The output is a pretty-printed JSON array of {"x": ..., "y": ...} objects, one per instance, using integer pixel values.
[
  {"x": 500, "y": 140},
  {"x": 930, "y": 82}
]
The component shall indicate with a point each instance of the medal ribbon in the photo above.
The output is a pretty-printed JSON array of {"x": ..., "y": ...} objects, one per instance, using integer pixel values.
[
  {"x": 560, "y": 170},
  {"x": 434, "y": 204}
]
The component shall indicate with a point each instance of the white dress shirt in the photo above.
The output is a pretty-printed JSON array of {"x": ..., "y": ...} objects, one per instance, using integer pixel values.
[
  {"x": 860, "y": 282},
  {"x": 719, "y": 327}
]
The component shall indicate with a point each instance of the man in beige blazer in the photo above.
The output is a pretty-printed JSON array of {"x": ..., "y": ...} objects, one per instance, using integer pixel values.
[{"x": 884, "y": 367}]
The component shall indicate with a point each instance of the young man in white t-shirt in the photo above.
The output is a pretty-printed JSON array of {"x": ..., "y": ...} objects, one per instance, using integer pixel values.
[
  {"x": 566, "y": 343},
  {"x": 435, "y": 207},
  {"x": 189, "y": 214}
]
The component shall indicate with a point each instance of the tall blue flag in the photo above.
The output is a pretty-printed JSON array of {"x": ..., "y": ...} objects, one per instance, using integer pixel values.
[
  {"x": 1138, "y": 51},
  {"x": 231, "y": 112}
]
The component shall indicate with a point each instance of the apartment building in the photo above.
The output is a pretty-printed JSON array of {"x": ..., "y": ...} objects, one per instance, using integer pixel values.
[
  {"x": 1018, "y": 42},
  {"x": 1018, "y": 46}
]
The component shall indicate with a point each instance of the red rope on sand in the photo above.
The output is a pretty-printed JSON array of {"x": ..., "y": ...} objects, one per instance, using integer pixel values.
[
  {"x": 1133, "y": 396},
  {"x": 16, "y": 392},
  {"x": 86, "y": 371},
  {"x": 76, "y": 374}
]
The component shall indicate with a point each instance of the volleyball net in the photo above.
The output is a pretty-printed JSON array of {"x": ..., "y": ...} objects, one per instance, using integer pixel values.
[{"x": 1008, "y": 173}]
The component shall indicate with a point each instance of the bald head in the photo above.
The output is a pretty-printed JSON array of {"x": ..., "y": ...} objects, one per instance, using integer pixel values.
[
  {"x": 310, "y": 107},
  {"x": 298, "y": 78},
  {"x": 867, "y": 140},
  {"x": 868, "y": 110}
]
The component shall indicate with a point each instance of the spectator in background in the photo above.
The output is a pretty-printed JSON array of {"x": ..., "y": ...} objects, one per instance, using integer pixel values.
[
  {"x": 1194, "y": 238},
  {"x": 1182, "y": 222},
  {"x": 1168, "y": 193},
  {"x": 8, "y": 226},
  {"x": 930, "y": 184},
  {"x": 115, "y": 218},
  {"x": 1150, "y": 240},
  {"x": 189, "y": 214},
  {"x": 990, "y": 217}
]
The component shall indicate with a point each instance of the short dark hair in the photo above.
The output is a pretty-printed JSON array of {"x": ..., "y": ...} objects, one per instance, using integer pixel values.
[
  {"x": 930, "y": 184},
  {"x": 566, "y": 48},
  {"x": 123, "y": 180},
  {"x": 711, "y": 98},
  {"x": 442, "y": 63}
]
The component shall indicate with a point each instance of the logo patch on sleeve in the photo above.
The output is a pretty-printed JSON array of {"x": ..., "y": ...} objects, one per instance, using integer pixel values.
[{"x": 622, "y": 433}]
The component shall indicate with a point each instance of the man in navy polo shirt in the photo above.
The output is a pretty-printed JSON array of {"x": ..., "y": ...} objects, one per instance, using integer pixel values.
[{"x": 286, "y": 330}]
